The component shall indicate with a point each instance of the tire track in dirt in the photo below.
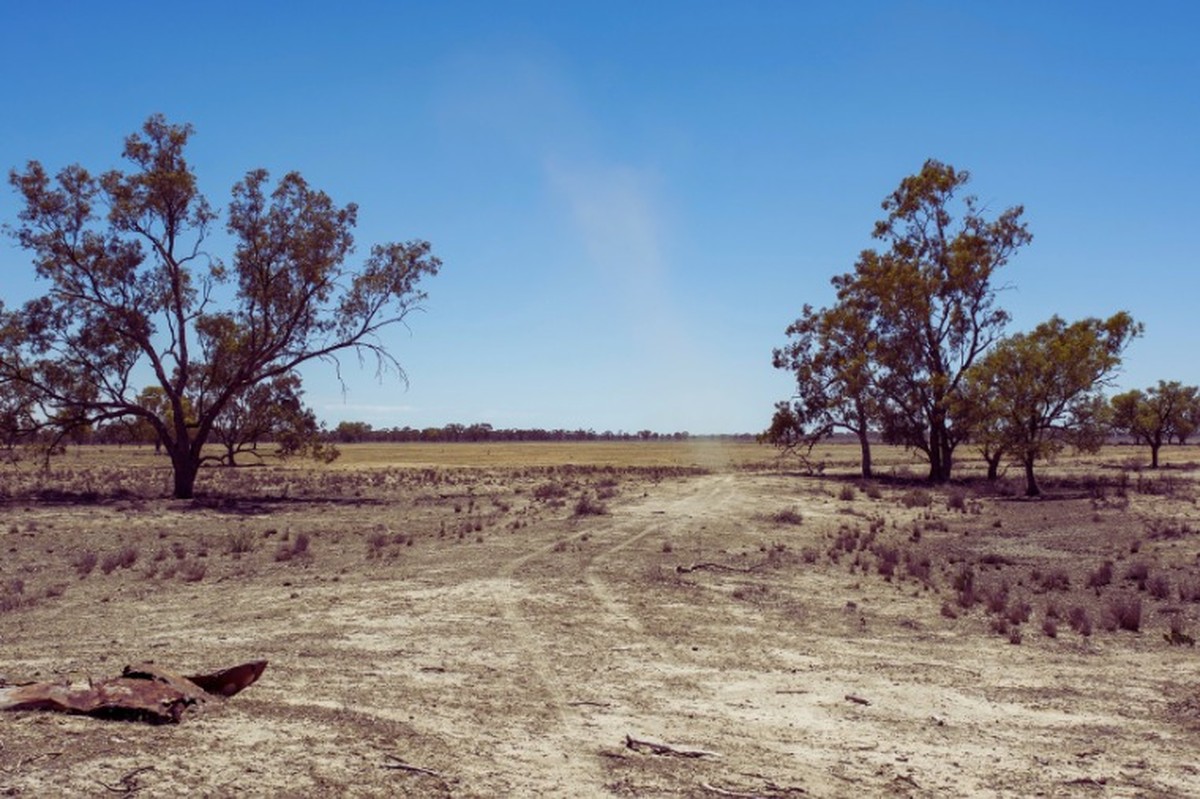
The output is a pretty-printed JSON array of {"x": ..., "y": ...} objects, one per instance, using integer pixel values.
[
  {"x": 588, "y": 596},
  {"x": 707, "y": 496},
  {"x": 591, "y": 689}
]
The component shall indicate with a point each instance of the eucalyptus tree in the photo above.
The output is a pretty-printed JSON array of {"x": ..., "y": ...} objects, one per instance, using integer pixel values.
[
  {"x": 1044, "y": 387},
  {"x": 931, "y": 297},
  {"x": 829, "y": 352},
  {"x": 1157, "y": 415},
  {"x": 134, "y": 298}
]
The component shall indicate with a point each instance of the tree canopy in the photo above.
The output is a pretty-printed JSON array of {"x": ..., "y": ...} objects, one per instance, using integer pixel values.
[
  {"x": 1043, "y": 387},
  {"x": 829, "y": 353},
  {"x": 134, "y": 299},
  {"x": 1157, "y": 415},
  {"x": 909, "y": 321}
]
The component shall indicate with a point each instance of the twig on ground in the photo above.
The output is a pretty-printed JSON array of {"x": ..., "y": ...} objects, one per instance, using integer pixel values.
[
  {"x": 656, "y": 748},
  {"x": 27, "y": 760},
  {"x": 858, "y": 700},
  {"x": 128, "y": 783},
  {"x": 588, "y": 703},
  {"x": 773, "y": 791},
  {"x": 399, "y": 764}
]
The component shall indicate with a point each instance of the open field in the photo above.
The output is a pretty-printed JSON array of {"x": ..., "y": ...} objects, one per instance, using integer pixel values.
[{"x": 502, "y": 617}]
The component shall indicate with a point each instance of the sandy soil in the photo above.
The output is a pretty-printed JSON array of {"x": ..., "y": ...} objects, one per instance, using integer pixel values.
[{"x": 509, "y": 647}]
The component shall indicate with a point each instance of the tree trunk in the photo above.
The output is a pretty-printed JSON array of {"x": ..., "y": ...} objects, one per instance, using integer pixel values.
[
  {"x": 186, "y": 468},
  {"x": 935, "y": 456},
  {"x": 947, "y": 458},
  {"x": 1154, "y": 454},
  {"x": 993, "y": 462},
  {"x": 1031, "y": 486},
  {"x": 940, "y": 452},
  {"x": 865, "y": 444}
]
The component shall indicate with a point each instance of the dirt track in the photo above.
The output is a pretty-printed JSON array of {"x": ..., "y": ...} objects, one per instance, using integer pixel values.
[{"x": 517, "y": 666}]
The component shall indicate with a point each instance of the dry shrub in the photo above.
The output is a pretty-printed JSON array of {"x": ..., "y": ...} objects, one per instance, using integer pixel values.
[
  {"x": 551, "y": 490},
  {"x": 964, "y": 587},
  {"x": 296, "y": 549},
  {"x": 1050, "y": 627},
  {"x": 957, "y": 500},
  {"x": 916, "y": 498},
  {"x": 920, "y": 568},
  {"x": 123, "y": 558},
  {"x": 1125, "y": 612},
  {"x": 788, "y": 516},
  {"x": 1018, "y": 612},
  {"x": 1080, "y": 620},
  {"x": 192, "y": 571},
  {"x": 1138, "y": 572},
  {"x": 1168, "y": 529},
  {"x": 12, "y": 595},
  {"x": 376, "y": 542},
  {"x": 1101, "y": 576},
  {"x": 847, "y": 493},
  {"x": 995, "y": 598},
  {"x": 1189, "y": 590},
  {"x": 873, "y": 491},
  {"x": 1159, "y": 586},
  {"x": 239, "y": 543},
  {"x": 84, "y": 562},
  {"x": 1056, "y": 579},
  {"x": 590, "y": 506}
]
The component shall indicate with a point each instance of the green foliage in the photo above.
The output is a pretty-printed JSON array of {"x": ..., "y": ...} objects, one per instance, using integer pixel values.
[
  {"x": 271, "y": 411},
  {"x": 909, "y": 322},
  {"x": 131, "y": 292},
  {"x": 829, "y": 353},
  {"x": 1157, "y": 415},
  {"x": 931, "y": 303},
  {"x": 1043, "y": 387}
]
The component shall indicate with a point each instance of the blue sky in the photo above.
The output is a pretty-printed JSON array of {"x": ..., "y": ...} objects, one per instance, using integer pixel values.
[{"x": 633, "y": 200}]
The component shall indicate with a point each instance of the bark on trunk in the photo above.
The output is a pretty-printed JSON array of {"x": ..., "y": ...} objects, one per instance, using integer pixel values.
[
  {"x": 1031, "y": 486},
  {"x": 993, "y": 463},
  {"x": 1154, "y": 455},
  {"x": 865, "y": 444},
  {"x": 186, "y": 468}
]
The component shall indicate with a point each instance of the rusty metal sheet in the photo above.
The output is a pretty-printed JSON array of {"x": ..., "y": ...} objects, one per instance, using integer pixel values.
[{"x": 144, "y": 692}]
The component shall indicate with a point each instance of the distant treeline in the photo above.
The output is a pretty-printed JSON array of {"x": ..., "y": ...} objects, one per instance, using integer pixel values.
[
  {"x": 360, "y": 432},
  {"x": 365, "y": 433}
]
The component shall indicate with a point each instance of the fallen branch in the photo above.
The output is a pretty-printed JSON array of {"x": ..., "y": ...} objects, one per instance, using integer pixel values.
[
  {"x": 129, "y": 783},
  {"x": 400, "y": 765},
  {"x": 717, "y": 567},
  {"x": 588, "y": 703},
  {"x": 656, "y": 748},
  {"x": 773, "y": 792},
  {"x": 858, "y": 700},
  {"x": 25, "y": 761},
  {"x": 723, "y": 792}
]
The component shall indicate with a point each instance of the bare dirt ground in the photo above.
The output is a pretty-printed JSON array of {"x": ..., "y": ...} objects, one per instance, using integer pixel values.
[{"x": 484, "y": 630}]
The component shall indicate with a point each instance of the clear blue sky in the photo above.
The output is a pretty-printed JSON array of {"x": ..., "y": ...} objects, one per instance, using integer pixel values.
[{"x": 632, "y": 200}]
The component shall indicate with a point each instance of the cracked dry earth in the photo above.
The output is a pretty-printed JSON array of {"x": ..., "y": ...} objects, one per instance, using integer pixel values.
[{"x": 518, "y": 665}]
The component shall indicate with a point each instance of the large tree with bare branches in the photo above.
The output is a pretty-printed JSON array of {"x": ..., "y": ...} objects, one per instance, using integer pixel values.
[{"x": 135, "y": 299}]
